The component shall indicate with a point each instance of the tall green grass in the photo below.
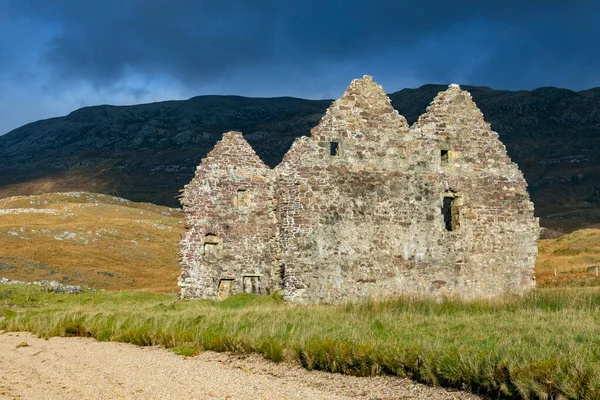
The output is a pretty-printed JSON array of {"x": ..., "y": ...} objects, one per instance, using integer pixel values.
[{"x": 546, "y": 345}]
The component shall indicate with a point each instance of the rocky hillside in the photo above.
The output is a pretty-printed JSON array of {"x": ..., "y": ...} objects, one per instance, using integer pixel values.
[
  {"x": 90, "y": 240},
  {"x": 148, "y": 152}
]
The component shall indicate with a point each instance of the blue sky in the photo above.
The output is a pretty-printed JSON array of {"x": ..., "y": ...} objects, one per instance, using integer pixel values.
[{"x": 60, "y": 55}]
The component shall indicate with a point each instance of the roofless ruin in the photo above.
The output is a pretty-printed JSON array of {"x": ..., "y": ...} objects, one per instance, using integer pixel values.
[{"x": 365, "y": 206}]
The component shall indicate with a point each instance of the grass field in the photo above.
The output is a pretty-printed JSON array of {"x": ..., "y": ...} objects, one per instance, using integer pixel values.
[
  {"x": 569, "y": 257},
  {"x": 544, "y": 346},
  {"x": 90, "y": 239}
]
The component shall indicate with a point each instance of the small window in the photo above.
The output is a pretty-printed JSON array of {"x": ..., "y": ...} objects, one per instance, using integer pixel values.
[
  {"x": 211, "y": 245},
  {"x": 444, "y": 156},
  {"x": 450, "y": 213},
  {"x": 282, "y": 275},
  {"x": 334, "y": 149},
  {"x": 242, "y": 198},
  {"x": 210, "y": 249}
]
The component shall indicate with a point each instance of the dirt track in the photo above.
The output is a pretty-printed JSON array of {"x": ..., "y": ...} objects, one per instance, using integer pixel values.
[{"x": 76, "y": 368}]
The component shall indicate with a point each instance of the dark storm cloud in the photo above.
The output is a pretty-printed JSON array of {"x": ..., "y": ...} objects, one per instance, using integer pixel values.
[
  {"x": 59, "y": 55},
  {"x": 196, "y": 41}
]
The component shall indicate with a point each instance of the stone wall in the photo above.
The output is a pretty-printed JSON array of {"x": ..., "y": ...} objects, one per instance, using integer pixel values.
[
  {"x": 230, "y": 245},
  {"x": 367, "y": 207},
  {"x": 497, "y": 238},
  {"x": 53, "y": 286}
]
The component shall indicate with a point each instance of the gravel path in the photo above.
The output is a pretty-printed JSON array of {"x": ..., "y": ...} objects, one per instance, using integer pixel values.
[{"x": 76, "y": 368}]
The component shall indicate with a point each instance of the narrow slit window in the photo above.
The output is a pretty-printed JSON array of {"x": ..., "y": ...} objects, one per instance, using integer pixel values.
[
  {"x": 334, "y": 149},
  {"x": 450, "y": 213},
  {"x": 444, "y": 156}
]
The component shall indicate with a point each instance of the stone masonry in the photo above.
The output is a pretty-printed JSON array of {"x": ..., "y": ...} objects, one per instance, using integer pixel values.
[{"x": 367, "y": 206}]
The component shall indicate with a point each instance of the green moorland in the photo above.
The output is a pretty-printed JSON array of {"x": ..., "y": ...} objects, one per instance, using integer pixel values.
[{"x": 546, "y": 345}]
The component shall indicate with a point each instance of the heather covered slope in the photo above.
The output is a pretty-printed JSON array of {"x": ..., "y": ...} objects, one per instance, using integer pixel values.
[
  {"x": 90, "y": 239},
  {"x": 148, "y": 152}
]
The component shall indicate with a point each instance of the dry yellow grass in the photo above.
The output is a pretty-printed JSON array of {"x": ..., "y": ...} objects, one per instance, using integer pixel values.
[
  {"x": 112, "y": 243},
  {"x": 570, "y": 255},
  {"x": 90, "y": 239}
]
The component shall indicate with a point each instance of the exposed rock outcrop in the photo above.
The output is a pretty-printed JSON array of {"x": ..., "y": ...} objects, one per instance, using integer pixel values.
[{"x": 53, "y": 286}]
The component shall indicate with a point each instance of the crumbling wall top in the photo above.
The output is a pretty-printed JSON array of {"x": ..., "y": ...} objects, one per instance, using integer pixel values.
[
  {"x": 233, "y": 151},
  {"x": 454, "y": 105},
  {"x": 232, "y": 156},
  {"x": 363, "y": 106}
]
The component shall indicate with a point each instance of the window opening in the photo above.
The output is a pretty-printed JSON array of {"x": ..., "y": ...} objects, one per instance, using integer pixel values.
[
  {"x": 211, "y": 244},
  {"x": 450, "y": 213},
  {"x": 282, "y": 275},
  {"x": 242, "y": 197},
  {"x": 334, "y": 149},
  {"x": 444, "y": 156}
]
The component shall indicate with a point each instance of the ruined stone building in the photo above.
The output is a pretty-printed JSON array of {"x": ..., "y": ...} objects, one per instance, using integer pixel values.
[{"x": 366, "y": 206}]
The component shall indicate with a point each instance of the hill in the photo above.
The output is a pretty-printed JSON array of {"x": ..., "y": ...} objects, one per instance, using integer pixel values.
[
  {"x": 148, "y": 152},
  {"x": 111, "y": 243},
  {"x": 565, "y": 261},
  {"x": 90, "y": 239}
]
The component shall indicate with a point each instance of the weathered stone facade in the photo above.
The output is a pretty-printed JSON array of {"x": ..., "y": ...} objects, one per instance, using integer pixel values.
[{"x": 365, "y": 207}]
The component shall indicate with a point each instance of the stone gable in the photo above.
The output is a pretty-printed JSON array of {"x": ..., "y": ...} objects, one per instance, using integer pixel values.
[
  {"x": 231, "y": 221},
  {"x": 366, "y": 206}
]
